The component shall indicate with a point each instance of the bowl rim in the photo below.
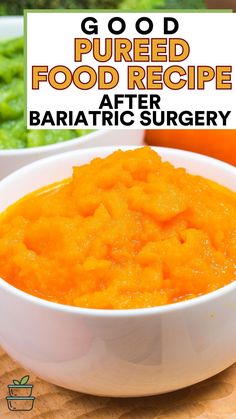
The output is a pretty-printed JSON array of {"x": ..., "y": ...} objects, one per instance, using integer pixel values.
[
  {"x": 118, "y": 313},
  {"x": 171, "y": 308},
  {"x": 63, "y": 145}
]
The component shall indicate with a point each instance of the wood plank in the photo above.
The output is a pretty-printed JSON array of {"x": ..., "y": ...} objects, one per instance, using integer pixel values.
[{"x": 212, "y": 399}]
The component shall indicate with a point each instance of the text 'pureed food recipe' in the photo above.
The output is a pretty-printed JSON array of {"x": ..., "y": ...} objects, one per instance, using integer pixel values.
[{"x": 126, "y": 231}]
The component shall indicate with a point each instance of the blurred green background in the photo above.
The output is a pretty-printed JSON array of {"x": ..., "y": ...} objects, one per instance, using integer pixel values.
[{"x": 13, "y": 7}]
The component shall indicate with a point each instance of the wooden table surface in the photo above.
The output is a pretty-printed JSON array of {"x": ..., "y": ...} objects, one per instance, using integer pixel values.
[{"x": 211, "y": 399}]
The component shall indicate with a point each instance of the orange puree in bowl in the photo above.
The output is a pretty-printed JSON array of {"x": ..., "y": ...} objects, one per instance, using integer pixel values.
[{"x": 124, "y": 232}]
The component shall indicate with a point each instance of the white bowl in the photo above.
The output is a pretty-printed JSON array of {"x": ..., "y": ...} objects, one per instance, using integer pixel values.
[
  {"x": 11, "y": 27},
  {"x": 11, "y": 160},
  {"x": 118, "y": 352}
]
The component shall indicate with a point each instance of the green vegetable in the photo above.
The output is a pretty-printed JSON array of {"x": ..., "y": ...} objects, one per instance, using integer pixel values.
[
  {"x": 13, "y": 7},
  {"x": 185, "y": 4},
  {"x": 142, "y": 4},
  {"x": 36, "y": 138},
  {"x": 12, "y": 100},
  {"x": 10, "y": 68},
  {"x": 13, "y": 133},
  {"x": 12, "y": 48}
]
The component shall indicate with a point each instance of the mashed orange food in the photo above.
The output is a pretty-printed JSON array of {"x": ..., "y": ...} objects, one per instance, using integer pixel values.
[{"x": 124, "y": 232}]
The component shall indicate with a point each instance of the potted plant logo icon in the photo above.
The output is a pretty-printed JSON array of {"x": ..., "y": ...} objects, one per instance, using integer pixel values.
[{"x": 20, "y": 395}]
